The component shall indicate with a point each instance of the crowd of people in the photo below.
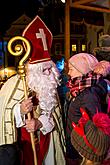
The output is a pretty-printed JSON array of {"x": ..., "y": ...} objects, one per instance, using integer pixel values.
[{"x": 70, "y": 114}]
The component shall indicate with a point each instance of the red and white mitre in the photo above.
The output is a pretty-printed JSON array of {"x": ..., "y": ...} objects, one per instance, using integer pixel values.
[{"x": 40, "y": 38}]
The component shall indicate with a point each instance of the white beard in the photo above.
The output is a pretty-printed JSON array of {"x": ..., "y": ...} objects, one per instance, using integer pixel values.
[{"x": 43, "y": 78}]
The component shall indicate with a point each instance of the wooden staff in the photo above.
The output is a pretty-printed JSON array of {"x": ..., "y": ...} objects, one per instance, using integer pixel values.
[{"x": 18, "y": 50}]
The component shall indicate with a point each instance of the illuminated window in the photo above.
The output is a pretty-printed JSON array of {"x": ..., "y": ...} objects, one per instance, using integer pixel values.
[
  {"x": 83, "y": 47},
  {"x": 73, "y": 48}
]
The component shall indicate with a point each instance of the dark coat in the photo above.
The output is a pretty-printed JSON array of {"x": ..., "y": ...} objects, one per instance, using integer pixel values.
[{"x": 91, "y": 99}]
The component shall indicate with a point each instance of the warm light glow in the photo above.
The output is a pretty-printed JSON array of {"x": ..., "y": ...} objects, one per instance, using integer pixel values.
[
  {"x": 63, "y": 1},
  {"x": 73, "y": 48},
  {"x": 9, "y": 71},
  {"x": 83, "y": 47}
]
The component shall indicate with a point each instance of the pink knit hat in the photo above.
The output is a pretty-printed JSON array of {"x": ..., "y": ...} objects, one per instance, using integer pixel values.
[{"x": 83, "y": 62}]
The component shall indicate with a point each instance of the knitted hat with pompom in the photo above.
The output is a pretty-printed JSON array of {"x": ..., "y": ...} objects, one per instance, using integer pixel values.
[{"x": 95, "y": 140}]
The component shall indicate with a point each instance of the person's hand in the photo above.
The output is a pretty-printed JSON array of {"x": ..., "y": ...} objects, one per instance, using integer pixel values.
[
  {"x": 26, "y": 106},
  {"x": 32, "y": 125}
]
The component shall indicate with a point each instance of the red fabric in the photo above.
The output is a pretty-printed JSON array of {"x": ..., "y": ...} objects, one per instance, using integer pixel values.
[
  {"x": 106, "y": 162},
  {"x": 85, "y": 117},
  {"x": 38, "y": 53},
  {"x": 27, "y": 147},
  {"x": 44, "y": 141}
]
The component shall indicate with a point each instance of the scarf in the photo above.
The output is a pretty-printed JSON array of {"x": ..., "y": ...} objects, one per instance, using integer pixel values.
[{"x": 78, "y": 84}]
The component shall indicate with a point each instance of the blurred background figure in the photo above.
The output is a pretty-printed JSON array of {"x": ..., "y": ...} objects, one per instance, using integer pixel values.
[
  {"x": 103, "y": 51},
  {"x": 61, "y": 65}
]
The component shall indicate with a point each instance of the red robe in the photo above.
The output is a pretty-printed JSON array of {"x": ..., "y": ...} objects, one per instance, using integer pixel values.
[{"x": 41, "y": 147}]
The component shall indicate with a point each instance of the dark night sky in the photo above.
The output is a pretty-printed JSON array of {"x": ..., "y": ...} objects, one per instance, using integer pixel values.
[{"x": 10, "y": 10}]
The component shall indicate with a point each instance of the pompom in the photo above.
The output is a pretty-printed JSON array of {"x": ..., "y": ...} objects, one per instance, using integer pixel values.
[
  {"x": 102, "y": 121},
  {"x": 103, "y": 68}
]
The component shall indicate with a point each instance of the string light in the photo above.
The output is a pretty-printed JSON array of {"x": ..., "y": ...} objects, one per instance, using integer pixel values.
[{"x": 63, "y": 1}]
